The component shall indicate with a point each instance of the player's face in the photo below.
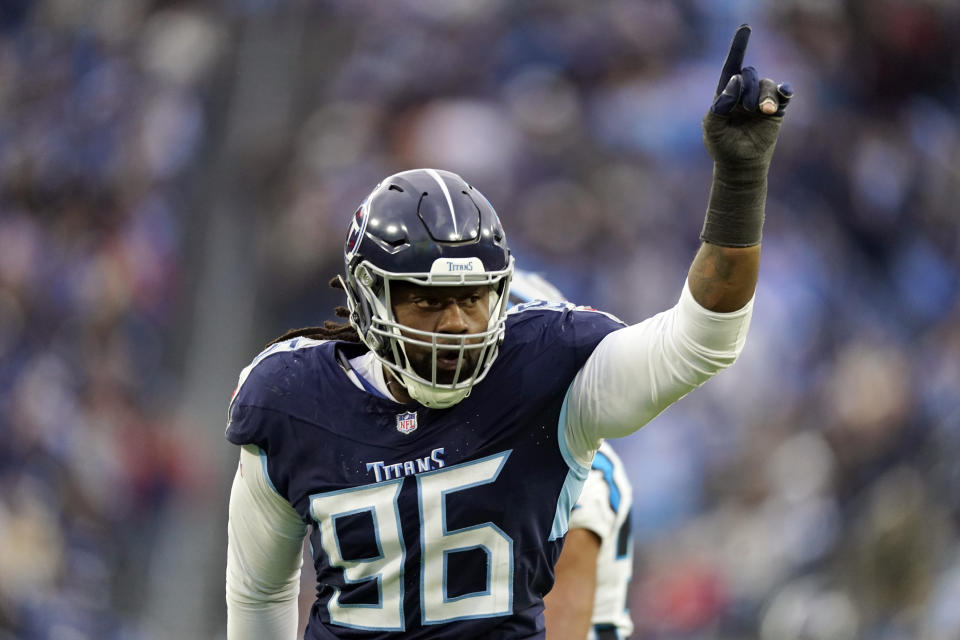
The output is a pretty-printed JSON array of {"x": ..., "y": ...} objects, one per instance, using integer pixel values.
[{"x": 449, "y": 310}]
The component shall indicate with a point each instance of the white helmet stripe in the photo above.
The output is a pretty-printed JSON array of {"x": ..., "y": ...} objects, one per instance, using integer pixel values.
[{"x": 436, "y": 176}]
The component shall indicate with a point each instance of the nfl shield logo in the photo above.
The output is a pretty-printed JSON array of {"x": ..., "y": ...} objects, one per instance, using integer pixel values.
[{"x": 407, "y": 422}]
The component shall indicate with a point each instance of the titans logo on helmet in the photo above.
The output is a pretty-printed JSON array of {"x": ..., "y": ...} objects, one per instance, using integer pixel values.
[{"x": 358, "y": 225}]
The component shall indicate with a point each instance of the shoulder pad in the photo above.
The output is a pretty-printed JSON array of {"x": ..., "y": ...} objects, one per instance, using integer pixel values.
[{"x": 285, "y": 347}]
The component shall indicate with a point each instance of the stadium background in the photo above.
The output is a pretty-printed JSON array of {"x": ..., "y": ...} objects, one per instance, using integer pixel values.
[{"x": 175, "y": 180}]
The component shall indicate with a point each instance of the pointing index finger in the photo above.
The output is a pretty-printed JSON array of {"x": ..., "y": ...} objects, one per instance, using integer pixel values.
[{"x": 738, "y": 47}]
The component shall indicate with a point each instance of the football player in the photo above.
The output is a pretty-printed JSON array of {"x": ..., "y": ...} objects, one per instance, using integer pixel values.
[
  {"x": 592, "y": 575},
  {"x": 436, "y": 445}
]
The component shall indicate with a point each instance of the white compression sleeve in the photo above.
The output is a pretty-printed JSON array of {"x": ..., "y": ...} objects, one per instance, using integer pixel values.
[
  {"x": 265, "y": 537},
  {"x": 640, "y": 370}
]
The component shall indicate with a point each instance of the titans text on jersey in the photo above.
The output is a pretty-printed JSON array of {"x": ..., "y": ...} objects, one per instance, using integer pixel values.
[{"x": 385, "y": 471}]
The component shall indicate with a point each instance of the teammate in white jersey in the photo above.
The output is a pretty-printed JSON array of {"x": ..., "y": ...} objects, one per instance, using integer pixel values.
[
  {"x": 603, "y": 512},
  {"x": 589, "y": 596}
]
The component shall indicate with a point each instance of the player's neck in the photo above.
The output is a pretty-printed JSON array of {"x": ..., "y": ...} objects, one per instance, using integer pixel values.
[{"x": 396, "y": 389}]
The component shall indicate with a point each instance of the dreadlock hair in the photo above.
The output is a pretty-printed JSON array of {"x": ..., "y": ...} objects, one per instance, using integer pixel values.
[{"x": 330, "y": 330}]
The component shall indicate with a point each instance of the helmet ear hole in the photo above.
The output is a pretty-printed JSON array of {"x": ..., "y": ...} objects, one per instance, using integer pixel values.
[
  {"x": 363, "y": 289},
  {"x": 364, "y": 277}
]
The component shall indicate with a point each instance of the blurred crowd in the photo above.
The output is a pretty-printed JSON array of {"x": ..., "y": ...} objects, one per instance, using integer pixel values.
[
  {"x": 808, "y": 493},
  {"x": 99, "y": 118}
]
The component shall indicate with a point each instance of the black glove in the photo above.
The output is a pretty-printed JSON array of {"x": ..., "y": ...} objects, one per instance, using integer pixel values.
[{"x": 740, "y": 133}]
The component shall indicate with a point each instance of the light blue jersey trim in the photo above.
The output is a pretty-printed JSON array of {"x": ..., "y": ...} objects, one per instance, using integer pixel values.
[
  {"x": 266, "y": 474},
  {"x": 572, "y": 484}
]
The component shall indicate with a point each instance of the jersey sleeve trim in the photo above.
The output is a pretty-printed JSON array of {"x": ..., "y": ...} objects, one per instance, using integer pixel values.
[
  {"x": 572, "y": 484},
  {"x": 266, "y": 472},
  {"x": 569, "y": 493},
  {"x": 572, "y": 460}
]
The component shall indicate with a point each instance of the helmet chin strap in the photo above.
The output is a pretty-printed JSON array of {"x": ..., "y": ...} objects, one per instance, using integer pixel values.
[
  {"x": 424, "y": 394},
  {"x": 432, "y": 397}
]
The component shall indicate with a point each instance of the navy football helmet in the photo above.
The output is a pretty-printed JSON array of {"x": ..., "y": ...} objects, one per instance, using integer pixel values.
[{"x": 431, "y": 228}]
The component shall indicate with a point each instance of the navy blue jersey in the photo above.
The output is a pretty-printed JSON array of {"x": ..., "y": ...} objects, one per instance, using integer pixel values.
[{"x": 437, "y": 523}]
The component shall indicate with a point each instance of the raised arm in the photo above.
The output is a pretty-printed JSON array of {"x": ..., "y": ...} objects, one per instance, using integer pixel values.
[
  {"x": 637, "y": 372},
  {"x": 740, "y": 133}
]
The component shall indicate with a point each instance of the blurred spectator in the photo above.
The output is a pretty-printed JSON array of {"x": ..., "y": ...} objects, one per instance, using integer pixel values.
[{"x": 100, "y": 116}]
